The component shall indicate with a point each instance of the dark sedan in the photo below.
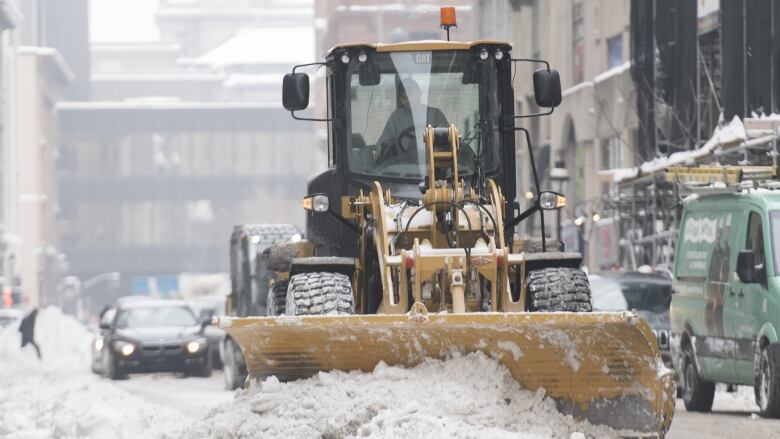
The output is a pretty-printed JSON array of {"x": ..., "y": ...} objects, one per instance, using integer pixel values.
[
  {"x": 649, "y": 294},
  {"x": 154, "y": 336}
]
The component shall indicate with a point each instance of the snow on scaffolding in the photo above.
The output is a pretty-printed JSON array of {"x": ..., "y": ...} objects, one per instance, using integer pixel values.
[{"x": 730, "y": 134}]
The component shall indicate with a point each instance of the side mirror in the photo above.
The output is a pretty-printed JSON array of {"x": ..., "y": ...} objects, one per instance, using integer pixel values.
[
  {"x": 368, "y": 74},
  {"x": 547, "y": 88},
  {"x": 746, "y": 269},
  {"x": 206, "y": 315},
  {"x": 295, "y": 91},
  {"x": 549, "y": 200}
]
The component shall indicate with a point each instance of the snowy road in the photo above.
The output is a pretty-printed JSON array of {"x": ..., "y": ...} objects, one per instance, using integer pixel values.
[
  {"x": 59, "y": 397},
  {"x": 190, "y": 396},
  {"x": 733, "y": 415}
]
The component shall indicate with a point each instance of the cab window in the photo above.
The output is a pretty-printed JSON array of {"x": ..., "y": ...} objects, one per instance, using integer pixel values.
[{"x": 755, "y": 238}]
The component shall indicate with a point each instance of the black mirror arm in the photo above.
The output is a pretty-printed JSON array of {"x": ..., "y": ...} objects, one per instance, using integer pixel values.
[
  {"x": 546, "y": 66},
  {"x": 536, "y": 206},
  {"x": 292, "y": 113}
]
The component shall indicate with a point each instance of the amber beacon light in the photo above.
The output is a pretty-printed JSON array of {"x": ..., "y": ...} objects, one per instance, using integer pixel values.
[{"x": 448, "y": 20}]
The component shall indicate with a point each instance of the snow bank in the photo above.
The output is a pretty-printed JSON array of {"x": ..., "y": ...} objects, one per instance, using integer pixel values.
[
  {"x": 466, "y": 396},
  {"x": 59, "y": 397}
]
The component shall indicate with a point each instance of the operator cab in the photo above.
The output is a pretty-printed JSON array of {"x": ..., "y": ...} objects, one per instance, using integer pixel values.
[{"x": 382, "y": 96}]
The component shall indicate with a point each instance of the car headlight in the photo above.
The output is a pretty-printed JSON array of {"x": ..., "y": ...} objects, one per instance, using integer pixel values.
[
  {"x": 99, "y": 343},
  {"x": 124, "y": 347},
  {"x": 196, "y": 345}
]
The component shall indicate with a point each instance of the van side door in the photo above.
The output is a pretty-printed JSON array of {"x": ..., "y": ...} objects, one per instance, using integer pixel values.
[{"x": 747, "y": 299}]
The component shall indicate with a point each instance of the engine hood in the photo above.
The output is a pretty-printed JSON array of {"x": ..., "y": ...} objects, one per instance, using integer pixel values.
[{"x": 159, "y": 334}]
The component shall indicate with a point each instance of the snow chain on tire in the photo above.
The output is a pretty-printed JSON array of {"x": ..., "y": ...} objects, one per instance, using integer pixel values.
[
  {"x": 320, "y": 293},
  {"x": 558, "y": 289},
  {"x": 277, "y": 298}
]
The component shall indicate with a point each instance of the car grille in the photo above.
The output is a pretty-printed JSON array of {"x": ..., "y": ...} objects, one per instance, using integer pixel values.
[{"x": 161, "y": 349}]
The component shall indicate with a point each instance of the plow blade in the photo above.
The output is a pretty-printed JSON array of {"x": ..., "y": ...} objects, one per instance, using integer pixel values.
[{"x": 603, "y": 367}]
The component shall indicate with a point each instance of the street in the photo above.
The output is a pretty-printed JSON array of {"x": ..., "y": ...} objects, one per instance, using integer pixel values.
[
  {"x": 733, "y": 415},
  {"x": 190, "y": 396}
]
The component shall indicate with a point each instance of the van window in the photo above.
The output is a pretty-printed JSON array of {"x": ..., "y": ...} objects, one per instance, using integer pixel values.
[
  {"x": 755, "y": 238},
  {"x": 774, "y": 217}
]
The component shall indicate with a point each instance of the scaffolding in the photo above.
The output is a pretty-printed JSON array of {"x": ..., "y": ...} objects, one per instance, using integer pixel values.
[{"x": 648, "y": 206}]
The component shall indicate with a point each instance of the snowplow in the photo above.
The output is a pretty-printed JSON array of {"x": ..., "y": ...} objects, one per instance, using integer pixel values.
[{"x": 414, "y": 253}]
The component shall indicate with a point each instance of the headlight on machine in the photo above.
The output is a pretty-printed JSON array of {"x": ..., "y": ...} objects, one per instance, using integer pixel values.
[
  {"x": 196, "y": 345},
  {"x": 124, "y": 348},
  {"x": 99, "y": 343}
]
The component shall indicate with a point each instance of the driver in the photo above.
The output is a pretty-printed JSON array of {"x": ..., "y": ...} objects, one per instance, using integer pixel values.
[{"x": 399, "y": 133}]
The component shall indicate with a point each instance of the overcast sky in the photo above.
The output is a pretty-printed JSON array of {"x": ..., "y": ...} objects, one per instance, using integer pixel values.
[{"x": 122, "y": 20}]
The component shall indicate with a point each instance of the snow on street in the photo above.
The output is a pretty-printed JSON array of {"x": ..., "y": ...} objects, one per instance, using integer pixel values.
[{"x": 469, "y": 396}]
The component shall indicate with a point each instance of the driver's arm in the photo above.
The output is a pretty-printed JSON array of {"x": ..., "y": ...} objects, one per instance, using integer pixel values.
[{"x": 390, "y": 132}]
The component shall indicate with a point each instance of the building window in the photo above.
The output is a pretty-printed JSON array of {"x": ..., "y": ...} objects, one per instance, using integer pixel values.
[
  {"x": 615, "y": 50},
  {"x": 578, "y": 40}
]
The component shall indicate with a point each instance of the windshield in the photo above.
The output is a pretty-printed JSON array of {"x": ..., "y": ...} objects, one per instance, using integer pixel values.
[
  {"x": 155, "y": 316},
  {"x": 416, "y": 89},
  {"x": 611, "y": 295}
]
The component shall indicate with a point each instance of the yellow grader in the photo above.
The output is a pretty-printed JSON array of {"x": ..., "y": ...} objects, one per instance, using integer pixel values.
[{"x": 409, "y": 250}]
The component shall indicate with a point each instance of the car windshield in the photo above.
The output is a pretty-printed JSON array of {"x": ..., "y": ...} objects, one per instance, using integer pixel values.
[
  {"x": 613, "y": 295},
  {"x": 387, "y": 120},
  {"x": 155, "y": 316}
]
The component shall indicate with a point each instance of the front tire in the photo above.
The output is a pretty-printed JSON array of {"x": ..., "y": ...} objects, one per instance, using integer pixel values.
[
  {"x": 204, "y": 370},
  {"x": 697, "y": 394},
  {"x": 320, "y": 293},
  {"x": 767, "y": 383},
  {"x": 110, "y": 369},
  {"x": 558, "y": 289}
]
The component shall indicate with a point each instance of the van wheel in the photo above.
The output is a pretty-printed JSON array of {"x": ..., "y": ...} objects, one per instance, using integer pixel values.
[
  {"x": 768, "y": 382},
  {"x": 697, "y": 394},
  {"x": 558, "y": 289}
]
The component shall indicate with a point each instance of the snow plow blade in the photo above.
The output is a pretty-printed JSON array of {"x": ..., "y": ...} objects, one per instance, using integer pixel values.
[{"x": 603, "y": 367}]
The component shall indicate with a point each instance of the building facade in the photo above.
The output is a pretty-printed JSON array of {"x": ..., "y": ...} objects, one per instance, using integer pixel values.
[{"x": 181, "y": 140}]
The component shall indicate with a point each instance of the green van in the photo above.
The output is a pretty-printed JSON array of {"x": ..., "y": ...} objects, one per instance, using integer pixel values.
[{"x": 725, "y": 312}]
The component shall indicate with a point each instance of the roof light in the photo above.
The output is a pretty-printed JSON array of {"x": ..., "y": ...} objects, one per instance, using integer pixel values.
[
  {"x": 447, "y": 16},
  {"x": 483, "y": 54},
  {"x": 345, "y": 58},
  {"x": 499, "y": 54},
  {"x": 362, "y": 57}
]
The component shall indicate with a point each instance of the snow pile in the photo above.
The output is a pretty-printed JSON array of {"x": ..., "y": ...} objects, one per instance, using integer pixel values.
[
  {"x": 59, "y": 397},
  {"x": 466, "y": 396},
  {"x": 64, "y": 344}
]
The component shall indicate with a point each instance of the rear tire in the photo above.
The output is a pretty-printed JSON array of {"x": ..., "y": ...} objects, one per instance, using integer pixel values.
[
  {"x": 277, "y": 298},
  {"x": 235, "y": 373},
  {"x": 767, "y": 384},
  {"x": 697, "y": 394},
  {"x": 320, "y": 293},
  {"x": 558, "y": 289}
]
